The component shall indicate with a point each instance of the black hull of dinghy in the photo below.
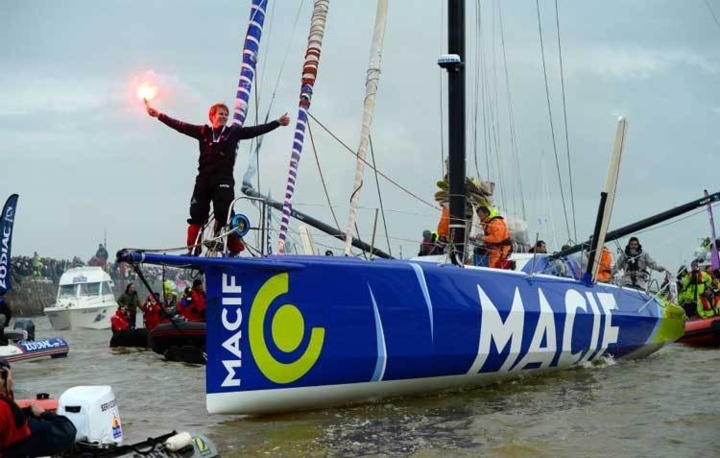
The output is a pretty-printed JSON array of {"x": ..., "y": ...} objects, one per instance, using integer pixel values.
[
  {"x": 178, "y": 334},
  {"x": 131, "y": 338},
  {"x": 155, "y": 447}
]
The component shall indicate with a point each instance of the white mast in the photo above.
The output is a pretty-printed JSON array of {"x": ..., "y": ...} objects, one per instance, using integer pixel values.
[{"x": 371, "y": 85}]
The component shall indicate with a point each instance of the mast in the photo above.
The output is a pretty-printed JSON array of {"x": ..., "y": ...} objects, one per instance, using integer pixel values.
[
  {"x": 309, "y": 74},
  {"x": 371, "y": 85},
  {"x": 455, "y": 66},
  {"x": 251, "y": 47}
]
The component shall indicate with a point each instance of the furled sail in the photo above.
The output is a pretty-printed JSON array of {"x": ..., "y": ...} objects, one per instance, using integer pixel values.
[
  {"x": 310, "y": 67},
  {"x": 251, "y": 48},
  {"x": 371, "y": 86}
]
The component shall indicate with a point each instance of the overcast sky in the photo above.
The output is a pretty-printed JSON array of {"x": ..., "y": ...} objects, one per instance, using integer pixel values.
[{"x": 88, "y": 162}]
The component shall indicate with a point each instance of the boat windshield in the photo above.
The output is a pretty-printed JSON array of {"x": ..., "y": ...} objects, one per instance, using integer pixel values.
[
  {"x": 89, "y": 289},
  {"x": 107, "y": 288},
  {"x": 67, "y": 291}
]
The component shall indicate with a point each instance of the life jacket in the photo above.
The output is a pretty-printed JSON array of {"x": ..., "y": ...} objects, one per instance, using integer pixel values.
[
  {"x": 605, "y": 271},
  {"x": 119, "y": 322},
  {"x": 506, "y": 241}
]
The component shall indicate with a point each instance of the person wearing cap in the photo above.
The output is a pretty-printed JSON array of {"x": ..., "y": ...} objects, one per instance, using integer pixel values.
[
  {"x": 430, "y": 244},
  {"x": 43, "y": 434},
  {"x": 497, "y": 237},
  {"x": 634, "y": 262},
  {"x": 697, "y": 292}
]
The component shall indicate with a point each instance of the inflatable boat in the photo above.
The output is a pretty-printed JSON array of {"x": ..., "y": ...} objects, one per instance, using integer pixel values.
[
  {"x": 130, "y": 338},
  {"x": 702, "y": 332},
  {"x": 179, "y": 340},
  {"x": 94, "y": 412},
  {"x": 23, "y": 346}
]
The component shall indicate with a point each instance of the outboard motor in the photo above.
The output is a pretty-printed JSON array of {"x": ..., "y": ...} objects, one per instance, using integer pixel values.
[
  {"x": 26, "y": 325},
  {"x": 94, "y": 412}
]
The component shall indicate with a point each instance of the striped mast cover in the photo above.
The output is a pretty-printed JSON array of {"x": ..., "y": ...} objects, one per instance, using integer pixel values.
[
  {"x": 371, "y": 85},
  {"x": 309, "y": 74},
  {"x": 249, "y": 60}
]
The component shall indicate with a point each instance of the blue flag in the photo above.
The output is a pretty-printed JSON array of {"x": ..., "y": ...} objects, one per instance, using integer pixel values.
[{"x": 7, "y": 218}]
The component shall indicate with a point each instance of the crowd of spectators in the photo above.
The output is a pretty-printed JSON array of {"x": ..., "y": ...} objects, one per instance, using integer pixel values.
[{"x": 24, "y": 268}]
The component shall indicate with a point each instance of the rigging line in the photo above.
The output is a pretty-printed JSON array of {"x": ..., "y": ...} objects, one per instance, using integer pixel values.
[
  {"x": 483, "y": 92},
  {"x": 395, "y": 183},
  {"x": 552, "y": 127},
  {"x": 267, "y": 46},
  {"x": 380, "y": 199},
  {"x": 442, "y": 91},
  {"x": 511, "y": 116},
  {"x": 476, "y": 96},
  {"x": 565, "y": 120},
  {"x": 496, "y": 115},
  {"x": 247, "y": 177},
  {"x": 322, "y": 177},
  {"x": 712, "y": 13}
]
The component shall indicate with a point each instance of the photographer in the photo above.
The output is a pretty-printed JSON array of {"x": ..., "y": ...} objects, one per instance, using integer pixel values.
[{"x": 43, "y": 433}]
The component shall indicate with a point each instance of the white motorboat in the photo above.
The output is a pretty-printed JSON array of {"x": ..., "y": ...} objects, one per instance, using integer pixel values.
[{"x": 85, "y": 299}]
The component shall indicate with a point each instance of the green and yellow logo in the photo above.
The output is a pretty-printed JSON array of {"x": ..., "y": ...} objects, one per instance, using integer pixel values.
[{"x": 288, "y": 331}]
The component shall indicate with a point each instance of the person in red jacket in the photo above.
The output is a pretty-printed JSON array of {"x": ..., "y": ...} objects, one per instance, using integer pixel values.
[
  {"x": 151, "y": 311},
  {"x": 43, "y": 434},
  {"x": 196, "y": 309},
  {"x": 13, "y": 424},
  {"x": 119, "y": 321}
]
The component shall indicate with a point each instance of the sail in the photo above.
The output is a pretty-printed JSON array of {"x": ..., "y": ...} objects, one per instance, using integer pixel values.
[
  {"x": 310, "y": 68},
  {"x": 371, "y": 85},
  {"x": 610, "y": 188},
  {"x": 7, "y": 219},
  {"x": 249, "y": 62}
]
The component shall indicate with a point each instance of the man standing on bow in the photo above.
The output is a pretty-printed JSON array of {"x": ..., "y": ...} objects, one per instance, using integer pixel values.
[{"x": 215, "y": 182}]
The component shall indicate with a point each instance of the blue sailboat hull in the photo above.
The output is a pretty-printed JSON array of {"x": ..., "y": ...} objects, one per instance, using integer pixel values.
[{"x": 299, "y": 332}]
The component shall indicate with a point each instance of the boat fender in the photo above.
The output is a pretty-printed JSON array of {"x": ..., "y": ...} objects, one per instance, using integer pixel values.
[
  {"x": 241, "y": 224},
  {"x": 178, "y": 441}
]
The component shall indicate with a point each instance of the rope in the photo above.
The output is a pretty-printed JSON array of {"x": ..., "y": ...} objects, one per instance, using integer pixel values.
[
  {"x": 377, "y": 186},
  {"x": 322, "y": 178},
  {"x": 393, "y": 182},
  {"x": 552, "y": 126},
  {"x": 564, "y": 104},
  {"x": 511, "y": 117}
]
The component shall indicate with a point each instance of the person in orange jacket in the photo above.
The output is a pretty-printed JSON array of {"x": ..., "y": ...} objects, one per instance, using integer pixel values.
[
  {"x": 443, "y": 228},
  {"x": 605, "y": 271},
  {"x": 496, "y": 238}
]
